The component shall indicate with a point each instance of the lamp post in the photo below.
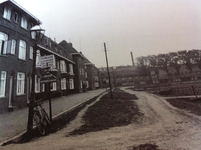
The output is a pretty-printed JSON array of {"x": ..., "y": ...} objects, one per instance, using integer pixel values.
[{"x": 36, "y": 35}]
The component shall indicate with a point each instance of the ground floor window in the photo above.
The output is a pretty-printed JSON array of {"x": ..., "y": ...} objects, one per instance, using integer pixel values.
[
  {"x": 80, "y": 83},
  {"x": 37, "y": 84},
  {"x": 43, "y": 87},
  {"x": 2, "y": 83},
  {"x": 20, "y": 83},
  {"x": 63, "y": 84},
  {"x": 53, "y": 86},
  {"x": 71, "y": 84},
  {"x": 87, "y": 84}
]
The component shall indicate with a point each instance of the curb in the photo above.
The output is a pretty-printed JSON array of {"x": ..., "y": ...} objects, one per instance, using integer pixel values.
[{"x": 20, "y": 136}]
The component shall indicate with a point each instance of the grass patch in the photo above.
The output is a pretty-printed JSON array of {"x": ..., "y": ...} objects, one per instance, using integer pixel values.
[
  {"x": 188, "y": 104},
  {"x": 108, "y": 113}
]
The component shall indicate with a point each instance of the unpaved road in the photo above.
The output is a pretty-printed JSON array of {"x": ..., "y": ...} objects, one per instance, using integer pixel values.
[{"x": 162, "y": 124}]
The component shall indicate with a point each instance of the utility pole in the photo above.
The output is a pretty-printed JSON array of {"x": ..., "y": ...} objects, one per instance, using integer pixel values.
[{"x": 111, "y": 94}]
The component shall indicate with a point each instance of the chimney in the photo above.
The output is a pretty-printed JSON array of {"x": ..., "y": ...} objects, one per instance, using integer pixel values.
[{"x": 132, "y": 59}]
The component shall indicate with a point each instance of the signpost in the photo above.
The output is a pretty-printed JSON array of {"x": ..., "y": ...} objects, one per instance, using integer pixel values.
[{"x": 47, "y": 79}]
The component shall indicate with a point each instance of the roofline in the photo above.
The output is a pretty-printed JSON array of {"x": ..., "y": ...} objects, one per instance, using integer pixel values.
[
  {"x": 15, "y": 3},
  {"x": 56, "y": 54}
]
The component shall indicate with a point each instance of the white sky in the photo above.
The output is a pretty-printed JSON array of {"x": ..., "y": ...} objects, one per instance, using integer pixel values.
[{"x": 143, "y": 27}]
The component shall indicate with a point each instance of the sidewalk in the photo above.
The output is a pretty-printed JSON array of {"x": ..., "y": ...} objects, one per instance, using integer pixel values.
[{"x": 14, "y": 123}]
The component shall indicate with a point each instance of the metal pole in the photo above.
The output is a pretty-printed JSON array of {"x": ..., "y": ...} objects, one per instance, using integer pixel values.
[
  {"x": 111, "y": 94},
  {"x": 32, "y": 99},
  {"x": 50, "y": 102}
]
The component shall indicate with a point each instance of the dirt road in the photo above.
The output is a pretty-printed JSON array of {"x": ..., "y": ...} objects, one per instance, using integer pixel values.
[{"x": 162, "y": 124}]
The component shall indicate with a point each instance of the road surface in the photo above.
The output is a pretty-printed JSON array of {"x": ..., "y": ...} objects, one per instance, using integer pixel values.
[{"x": 162, "y": 124}]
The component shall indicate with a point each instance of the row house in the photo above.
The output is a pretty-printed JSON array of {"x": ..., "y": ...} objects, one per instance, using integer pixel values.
[
  {"x": 61, "y": 65},
  {"x": 124, "y": 76},
  {"x": 92, "y": 76},
  {"x": 16, "y": 60},
  {"x": 16, "y": 55},
  {"x": 79, "y": 69}
]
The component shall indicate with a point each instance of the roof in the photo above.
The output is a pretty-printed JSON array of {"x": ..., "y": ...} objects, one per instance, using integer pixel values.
[{"x": 21, "y": 8}]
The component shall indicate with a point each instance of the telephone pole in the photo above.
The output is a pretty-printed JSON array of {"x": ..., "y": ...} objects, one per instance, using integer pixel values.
[{"x": 111, "y": 94}]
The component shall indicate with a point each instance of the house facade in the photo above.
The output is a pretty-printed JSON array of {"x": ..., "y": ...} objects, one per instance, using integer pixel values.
[
  {"x": 66, "y": 65},
  {"x": 15, "y": 45}
]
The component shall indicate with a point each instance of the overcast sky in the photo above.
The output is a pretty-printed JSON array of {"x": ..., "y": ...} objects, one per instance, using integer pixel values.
[{"x": 143, "y": 27}]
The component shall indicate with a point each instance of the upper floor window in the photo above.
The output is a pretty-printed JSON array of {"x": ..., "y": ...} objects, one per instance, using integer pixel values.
[
  {"x": 7, "y": 13},
  {"x": 3, "y": 43},
  {"x": 22, "y": 50},
  {"x": 13, "y": 46},
  {"x": 71, "y": 68},
  {"x": 15, "y": 17},
  {"x": 2, "y": 83},
  {"x": 24, "y": 23},
  {"x": 63, "y": 65}
]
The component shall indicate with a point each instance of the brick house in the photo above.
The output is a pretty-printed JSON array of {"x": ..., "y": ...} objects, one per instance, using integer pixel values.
[
  {"x": 79, "y": 68},
  {"x": 15, "y": 45}
]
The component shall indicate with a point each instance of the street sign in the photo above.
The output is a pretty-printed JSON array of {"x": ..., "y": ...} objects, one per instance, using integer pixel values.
[
  {"x": 48, "y": 80},
  {"x": 48, "y": 61}
]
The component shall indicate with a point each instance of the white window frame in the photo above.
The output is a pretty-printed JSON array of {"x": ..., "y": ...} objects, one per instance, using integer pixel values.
[
  {"x": 31, "y": 53},
  {"x": 3, "y": 43},
  {"x": 20, "y": 83},
  {"x": 13, "y": 46},
  {"x": 63, "y": 84},
  {"x": 7, "y": 13},
  {"x": 24, "y": 23},
  {"x": 71, "y": 83},
  {"x": 54, "y": 86},
  {"x": 82, "y": 71},
  {"x": 37, "y": 84},
  {"x": 87, "y": 84},
  {"x": 81, "y": 84},
  {"x": 43, "y": 87},
  {"x": 3, "y": 83},
  {"x": 63, "y": 66},
  {"x": 22, "y": 50},
  {"x": 71, "y": 68}
]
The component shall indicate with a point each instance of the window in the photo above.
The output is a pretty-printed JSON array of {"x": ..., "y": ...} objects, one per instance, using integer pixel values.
[
  {"x": 63, "y": 65},
  {"x": 22, "y": 50},
  {"x": 3, "y": 43},
  {"x": 20, "y": 83},
  {"x": 37, "y": 84},
  {"x": 43, "y": 88},
  {"x": 54, "y": 86},
  {"x": 2, "y": 83},
  {"x": 71, "y": 68},
  {"x": 31, "y": 52},
  {"x": 63, "y": 84},
  {"x": 85, "y": 74},
  {"x": 80, "y": 83},
  {"x": 15, "y": 17},
  {"x": 13, "y": 46},
  {"x": 7, "y": 13},
  {"x": 82, "y": 71},
  {"x": 71, "y": 83},
  {"x": 24, "y": 23},
  {"x": 87, "y": 84},
  {"x": 58, "y": 65}
]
